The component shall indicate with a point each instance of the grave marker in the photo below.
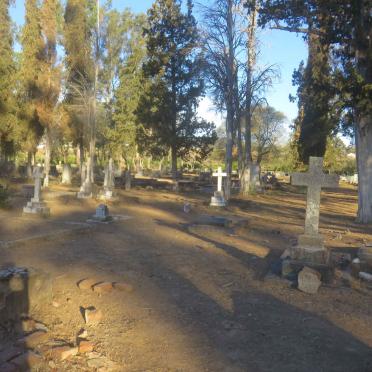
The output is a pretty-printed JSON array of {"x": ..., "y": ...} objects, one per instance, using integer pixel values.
[
  {"x": 310, "y": 245},
  {"x": 218, "y": 199}
]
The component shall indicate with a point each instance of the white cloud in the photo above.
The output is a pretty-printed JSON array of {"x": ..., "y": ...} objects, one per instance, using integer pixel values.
[{"x": 207, "y": 111}]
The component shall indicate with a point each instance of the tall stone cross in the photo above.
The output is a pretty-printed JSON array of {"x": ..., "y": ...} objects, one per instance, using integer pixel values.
[
  {"x": 219, "y": 176},
  {"x": 314, "y": 179},
  {"x": 38, "y": 175}
]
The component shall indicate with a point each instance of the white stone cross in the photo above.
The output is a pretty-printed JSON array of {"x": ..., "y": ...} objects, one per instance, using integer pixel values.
[
  {"x": 314, "y": 179},
  {"x": 38, "y": 175},
  {"x": 219, "y": 174}
]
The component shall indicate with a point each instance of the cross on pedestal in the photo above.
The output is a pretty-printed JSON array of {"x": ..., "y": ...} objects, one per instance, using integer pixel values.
[
  {"x": 314, "y": 179},
  {"x": 219, "y": 176},
  {"x": 37, "y": 175},
  {"x": 218, "y": 199}
]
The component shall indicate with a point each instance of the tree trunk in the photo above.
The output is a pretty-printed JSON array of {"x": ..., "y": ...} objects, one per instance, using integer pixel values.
[
  {"x": 228, "y": 157},
  {"x": 48, "y": 151},
  {"x": 174, "y": 161},
  {"x": 363, "y": 142}
]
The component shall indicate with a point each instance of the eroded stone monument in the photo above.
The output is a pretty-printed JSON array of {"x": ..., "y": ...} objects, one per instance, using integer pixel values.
[
  {"x": 310, "y": 247},
  {"x": 86, "y": 189},
  {"x": 218, "y": 200},
  {"x": 66, "y": 174},
  {"x": 102, "y": 214},
  {"x": 36, "y": 205}
]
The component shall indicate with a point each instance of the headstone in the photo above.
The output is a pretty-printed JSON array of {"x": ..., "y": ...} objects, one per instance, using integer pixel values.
[
  {"x": 36, "y": 205},
  {"x": 310, "y": 247},
  {"x": 218, "y": 200},
  {"x": 102, "y": 213},
  {"x": 309, "y": 280},
  {"x": 86, "y": 189},
  {"x": 66, "y": 174},
  {"x": 109, "y": 182}
]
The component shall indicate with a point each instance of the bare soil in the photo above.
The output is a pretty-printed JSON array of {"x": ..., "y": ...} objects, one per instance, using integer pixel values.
[{"x": 203, "y": 297}]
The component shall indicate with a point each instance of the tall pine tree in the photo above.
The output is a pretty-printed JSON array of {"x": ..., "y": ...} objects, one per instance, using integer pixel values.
[
  {"x": 7, "y": 82},
  {"x": 30, "y": 77},
  {"x": 167, "y": 111}
]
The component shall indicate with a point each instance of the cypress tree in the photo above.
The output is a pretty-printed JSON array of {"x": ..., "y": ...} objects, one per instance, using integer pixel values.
[
  {"x": 7, "y": 73},
  {"x": 173, "y": 70}
]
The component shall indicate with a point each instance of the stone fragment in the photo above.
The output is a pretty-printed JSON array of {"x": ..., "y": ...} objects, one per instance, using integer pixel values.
[
  {"x": 93, "y": 316},
  {"x": 104, "y": 287},
  {"x": 87, "y": 283},
  {"x": 85, "y": 347},
  {"x": 83, "y": 333},
  {"x": 309, "y": 280},
  {"x": 33, "y": 339},
  {"x": 9, "y": 354},
  {"x": 27, "y": 361},
  {"x": 125, "y": 287},
  {"x": 63, "y": 352},
  {"x": 56, "y": 304}
]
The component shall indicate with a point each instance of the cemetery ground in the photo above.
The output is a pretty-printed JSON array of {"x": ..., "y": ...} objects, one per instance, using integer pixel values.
[{"x": 198, "y": 295}]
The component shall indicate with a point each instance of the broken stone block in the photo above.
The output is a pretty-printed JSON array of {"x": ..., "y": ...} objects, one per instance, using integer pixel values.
[
  {"x": 125, "y": 287},
  {"x": 85, "y": 347},
  {"x": 27, "y": 361},
  {"x": 87, "y": 283},
  {"x": 33, "y": 339},
  {"x": 309, "y": 280},
  {"x": 93, "y": 316},
  {"x": 104, "y": 287}
]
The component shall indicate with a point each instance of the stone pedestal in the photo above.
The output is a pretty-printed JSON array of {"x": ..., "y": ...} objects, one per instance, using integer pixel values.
[
  {"x": 310, "y": 249},
  {"x": 218, "y": 200},
  {"x": 86, "y": 191},
  {"x": 36, "y": 207}
]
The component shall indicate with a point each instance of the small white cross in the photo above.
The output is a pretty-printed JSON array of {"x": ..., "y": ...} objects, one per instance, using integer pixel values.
[{"x": 219, "y": 174}]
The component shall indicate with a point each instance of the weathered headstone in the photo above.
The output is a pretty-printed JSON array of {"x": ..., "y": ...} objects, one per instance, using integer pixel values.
[
  {"x": 36, "y": 205},
  {"x": 218, "y": 200},
  {"x": 102, "y": 213},
  {"x": 310, "y": 246},
  {"x": 86, "y": 189},
  {"x": 66, "y": 174},
  {"x": 109, "y": 182}
]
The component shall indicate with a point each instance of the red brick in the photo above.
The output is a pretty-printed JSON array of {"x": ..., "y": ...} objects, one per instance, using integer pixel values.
[
  {"x": 125, "y": 287},
  {"x": 34, "y": 339},
  {"x": 27, "y": 360},
  {"x": 93, "y": 316},
  {"x": 85, "y": 347},
  {"x": 104, "y": 287},
  {"x": 87, "y": 283},
  {"x": 62, "y": 352}
]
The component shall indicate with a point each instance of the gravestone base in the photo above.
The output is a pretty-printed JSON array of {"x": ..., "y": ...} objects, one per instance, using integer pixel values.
[
  {"x": 36, "y": 208},
  {"x": 218, "y": 200},
  {"x": 310, "y": 249},
  {"x": 85, "y": 191},
  {"x": 102, "y": 214},
  {"x": 108, "y": 195}
]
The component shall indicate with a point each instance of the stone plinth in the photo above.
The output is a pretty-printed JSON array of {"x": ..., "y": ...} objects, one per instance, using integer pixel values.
[
  {"x": 218, "y": 200},
  {"x": 85, "y": 190},
  {"x": 37, "y": 208},
  {"x": 102, "y": 214},
  {"x": 310, "y": 249}
]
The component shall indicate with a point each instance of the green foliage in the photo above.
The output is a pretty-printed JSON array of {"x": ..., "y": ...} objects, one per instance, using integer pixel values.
[
  {"x": 336, "y": 157},
  {"x": 173, "y": 69},
  {"x": 7, "y": 82}
]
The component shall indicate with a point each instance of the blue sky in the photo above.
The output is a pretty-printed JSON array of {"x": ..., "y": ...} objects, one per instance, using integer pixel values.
[{"x": 277, "y": 47}]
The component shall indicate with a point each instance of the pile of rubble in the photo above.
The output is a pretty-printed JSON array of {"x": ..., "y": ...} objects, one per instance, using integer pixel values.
[{"x": 351, "y": 268}]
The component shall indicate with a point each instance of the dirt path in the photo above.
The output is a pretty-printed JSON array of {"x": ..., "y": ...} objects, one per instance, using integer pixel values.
[{"x": 202, "y": 300}]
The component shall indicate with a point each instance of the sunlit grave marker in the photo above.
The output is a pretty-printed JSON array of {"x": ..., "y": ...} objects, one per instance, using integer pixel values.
[
  {"x": 310, "y": 247},
  {"x": 218, "y": 200}
]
